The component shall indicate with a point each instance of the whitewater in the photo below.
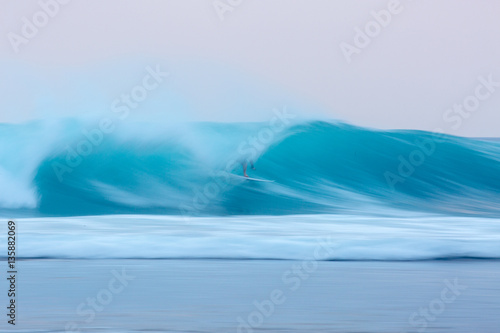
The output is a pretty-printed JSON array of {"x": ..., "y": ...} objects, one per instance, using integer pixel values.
[
  {"x": 149, "y": 191},
  {"x": 290, "y": 237}
]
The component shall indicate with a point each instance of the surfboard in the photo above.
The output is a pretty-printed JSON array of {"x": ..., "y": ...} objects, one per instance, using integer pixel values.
[{"x": 254, "y": 179}]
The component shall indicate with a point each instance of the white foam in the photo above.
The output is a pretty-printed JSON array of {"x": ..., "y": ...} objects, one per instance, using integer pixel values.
[
  {"x": 260, "y": 237},
  {"x": 16, "y": 192}
]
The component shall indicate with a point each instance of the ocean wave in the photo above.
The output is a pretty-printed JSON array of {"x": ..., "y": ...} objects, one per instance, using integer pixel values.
[{"x": 74, "y": 167}]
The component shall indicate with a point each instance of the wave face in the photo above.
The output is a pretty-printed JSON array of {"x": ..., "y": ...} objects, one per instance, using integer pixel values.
[{"x": 71, "y": 167}]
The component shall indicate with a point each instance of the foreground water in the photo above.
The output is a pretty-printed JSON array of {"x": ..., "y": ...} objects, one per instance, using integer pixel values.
[
  {"x": 322, "y": 273},
  {"x": 460, "y": 296}
]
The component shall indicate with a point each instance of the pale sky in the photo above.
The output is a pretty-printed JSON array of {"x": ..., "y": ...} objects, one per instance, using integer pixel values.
[{"x": 265, "y": 54}]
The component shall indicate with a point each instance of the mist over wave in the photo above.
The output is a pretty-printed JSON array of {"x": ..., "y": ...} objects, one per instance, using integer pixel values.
[{"x": 66, "y": 167}]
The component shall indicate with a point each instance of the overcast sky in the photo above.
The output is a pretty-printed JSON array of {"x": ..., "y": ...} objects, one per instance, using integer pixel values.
[{"x": 239, "y": 62}]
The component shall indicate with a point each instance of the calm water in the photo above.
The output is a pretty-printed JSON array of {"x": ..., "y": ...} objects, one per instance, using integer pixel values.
[{"x": 235, "y": 296}]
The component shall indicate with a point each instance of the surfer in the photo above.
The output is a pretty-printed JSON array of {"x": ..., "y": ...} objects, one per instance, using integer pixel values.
[{"x": 244, "y": 164}]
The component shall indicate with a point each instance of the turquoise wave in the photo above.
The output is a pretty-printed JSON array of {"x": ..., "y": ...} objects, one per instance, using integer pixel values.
[{"x": 75, "y": 167}]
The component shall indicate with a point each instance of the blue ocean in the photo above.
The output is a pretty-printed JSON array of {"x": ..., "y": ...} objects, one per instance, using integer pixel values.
[
  {"x": 151, "y": 226},
  {"x": 88, "y": 191}
]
